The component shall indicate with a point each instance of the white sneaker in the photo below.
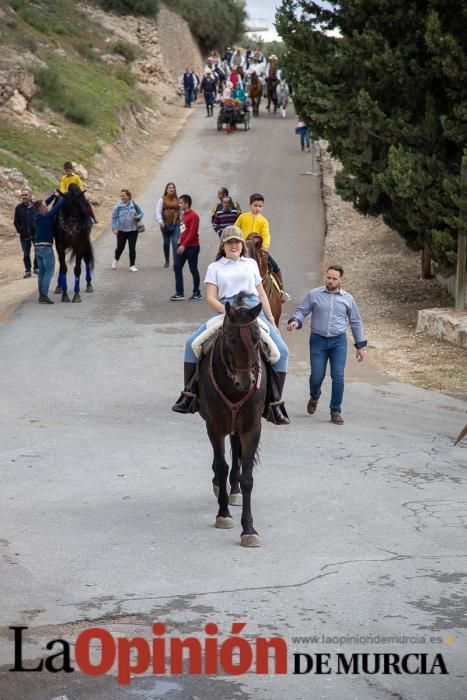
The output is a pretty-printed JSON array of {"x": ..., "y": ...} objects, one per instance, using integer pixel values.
[
  {"x": 114, "y": 264},
  {"x": 133, "y": 268}
]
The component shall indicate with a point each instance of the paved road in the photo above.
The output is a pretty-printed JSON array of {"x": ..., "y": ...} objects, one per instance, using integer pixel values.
[{"x": 107, "y": 513}]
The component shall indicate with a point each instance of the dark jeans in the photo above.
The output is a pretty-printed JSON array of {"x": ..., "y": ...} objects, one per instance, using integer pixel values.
[
  {"x": 304, "y": 137},
  {"x": 170, "y": 234},
  {"x": 188, "y": 96},
  {"x": 26, "y": 246},
  {"x": 46, "y": 264},
  {"x": 321, "y": 350},
  {"x": 190, "y": 254},
  {"x": 209, "y": 98},
  {"x": 122, "y": 238}
]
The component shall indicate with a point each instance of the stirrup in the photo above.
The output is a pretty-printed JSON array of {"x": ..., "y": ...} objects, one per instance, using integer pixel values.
[{"x": 278, "y": 416}]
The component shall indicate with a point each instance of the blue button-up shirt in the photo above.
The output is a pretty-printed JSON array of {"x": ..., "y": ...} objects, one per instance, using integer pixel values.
[{"x": 329, "y": 313}]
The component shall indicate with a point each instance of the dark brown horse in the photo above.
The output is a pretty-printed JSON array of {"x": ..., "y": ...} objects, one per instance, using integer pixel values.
[
  {"x": 272, "y": 81},
  {"x": 271, "y": 286},
  {"x": 72, "y": 233},
  {"x": 232, "y": 394},
  {"x": 255, "y": 92}
]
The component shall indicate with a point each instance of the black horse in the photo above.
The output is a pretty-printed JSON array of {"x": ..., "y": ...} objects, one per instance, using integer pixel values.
[
  {"x": 271, "y": 85},
  {"x": 73, "y": 233},
  {"x": 232, "y": 395}
]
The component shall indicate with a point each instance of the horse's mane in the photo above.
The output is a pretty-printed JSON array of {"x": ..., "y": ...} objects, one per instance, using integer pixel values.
[{"x": 75, "y": 203}]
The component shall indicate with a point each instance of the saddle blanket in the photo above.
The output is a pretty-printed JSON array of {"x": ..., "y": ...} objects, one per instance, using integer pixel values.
[{"x": 213, "y": 325}]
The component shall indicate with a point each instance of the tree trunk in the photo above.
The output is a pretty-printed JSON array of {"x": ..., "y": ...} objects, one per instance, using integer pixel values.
[{"x": 426, "y": 264}]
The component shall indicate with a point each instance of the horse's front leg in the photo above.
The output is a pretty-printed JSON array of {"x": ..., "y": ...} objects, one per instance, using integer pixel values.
[
  {"x": 249, "y": 442},
  {"x": 224, "y": 520},
  {"x": 62, "y": 286},
  {"x": 235, "y": 498},
  {"x": 77, "y": 271}
]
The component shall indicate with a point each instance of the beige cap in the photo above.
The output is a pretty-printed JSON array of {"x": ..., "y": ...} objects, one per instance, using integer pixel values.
[{"x": 231, "y": 233}]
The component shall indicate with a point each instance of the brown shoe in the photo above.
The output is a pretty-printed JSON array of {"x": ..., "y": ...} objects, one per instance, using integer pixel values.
[
  {"x": 311, "y": 406},
  {"x": 336, "y": 418}
]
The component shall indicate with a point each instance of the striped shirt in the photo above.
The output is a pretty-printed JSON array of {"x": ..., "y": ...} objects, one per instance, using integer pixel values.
[{"x": 223, "y": 218}]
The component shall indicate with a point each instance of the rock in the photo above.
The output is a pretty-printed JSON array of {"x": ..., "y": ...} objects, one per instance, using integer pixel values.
[
  {"x": 18, "y": 103},
  {"x": 60, "y": 52},
  {"x": 80, "y": 170}
]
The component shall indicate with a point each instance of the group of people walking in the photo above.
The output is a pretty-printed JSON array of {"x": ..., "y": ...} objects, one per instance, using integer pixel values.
[{"x": 232, "y": 272}]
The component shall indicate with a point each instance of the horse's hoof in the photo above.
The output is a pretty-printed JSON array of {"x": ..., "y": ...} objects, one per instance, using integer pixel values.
[
  {"x": 76, "y": 299},
  {"x": 250, "y": 541},
  {"x": 215, "y": 488},
  {"x": 58, "y": 289},
  {"x": 224, "y": 523},
  {"x": 65, "y": 297},
  {"x": 235, "y": 499},
  {"x": 89, "y": 288}
]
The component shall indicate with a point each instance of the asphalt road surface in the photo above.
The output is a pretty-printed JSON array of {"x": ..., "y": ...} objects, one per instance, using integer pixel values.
[{"x": 107, "y": 511}]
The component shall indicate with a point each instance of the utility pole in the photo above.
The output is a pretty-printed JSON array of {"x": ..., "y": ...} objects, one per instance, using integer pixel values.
[{"x": 462, "y": 241}]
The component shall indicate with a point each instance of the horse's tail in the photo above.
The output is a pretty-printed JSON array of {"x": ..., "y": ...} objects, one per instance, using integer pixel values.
[{"x": 86, "y": 251}]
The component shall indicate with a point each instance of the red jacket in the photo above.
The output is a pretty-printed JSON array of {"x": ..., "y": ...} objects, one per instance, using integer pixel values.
[{"x": 189, "y": 237}]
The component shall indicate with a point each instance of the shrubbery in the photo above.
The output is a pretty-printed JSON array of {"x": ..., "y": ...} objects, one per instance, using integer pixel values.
[
  {"x": 125, "y": 75},
  {"x": 149, "y": 8},
  {"x": 215, "y": 23},
  {"x": 58, "y": 98},
  {"x": 123, "y": 48}
]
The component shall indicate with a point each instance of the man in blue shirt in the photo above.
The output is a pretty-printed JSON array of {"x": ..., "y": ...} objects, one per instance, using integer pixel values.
[
  {"x": 43, "y": 241},
  {"x": 330, "y": 308}
]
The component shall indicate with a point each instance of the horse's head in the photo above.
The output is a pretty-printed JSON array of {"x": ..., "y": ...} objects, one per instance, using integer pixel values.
[
  {"x": 254, "y": 245},
  {"x": 75, "y": 205},
  {"x": 242, "y": 335}
]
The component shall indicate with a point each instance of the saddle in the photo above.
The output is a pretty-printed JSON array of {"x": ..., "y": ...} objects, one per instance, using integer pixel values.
[{"x": 203, "y": 343}]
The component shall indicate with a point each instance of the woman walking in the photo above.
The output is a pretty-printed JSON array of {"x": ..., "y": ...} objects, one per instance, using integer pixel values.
[
  {"x": 168, "y": 218},
  {"x": 233, "y": 272},
  {"x": 125, "y": 218}
]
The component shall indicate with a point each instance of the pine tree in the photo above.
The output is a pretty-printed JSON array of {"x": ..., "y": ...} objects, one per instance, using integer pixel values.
[{"x": 384, "y": 82}]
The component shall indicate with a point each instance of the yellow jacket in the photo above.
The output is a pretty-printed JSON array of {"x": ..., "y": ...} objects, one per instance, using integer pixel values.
[
  {"x": 68, "y": 179},
  {"x": 249, "y": 223}
]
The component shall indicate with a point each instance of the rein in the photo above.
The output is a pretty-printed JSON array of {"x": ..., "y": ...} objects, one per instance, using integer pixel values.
[{"x": 254, "y": 363}]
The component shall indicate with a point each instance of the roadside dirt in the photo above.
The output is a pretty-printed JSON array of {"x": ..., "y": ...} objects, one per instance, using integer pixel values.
[{"x": 383, "y": 276}]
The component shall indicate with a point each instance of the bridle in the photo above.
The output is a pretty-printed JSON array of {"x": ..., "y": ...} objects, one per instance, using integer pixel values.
[{"x": 254, "y": 365}]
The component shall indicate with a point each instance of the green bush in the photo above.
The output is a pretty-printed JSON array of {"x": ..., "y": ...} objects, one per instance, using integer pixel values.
[
  {"x": 125, "y": 75},
  {"x": 58, "y": 98},
  {"x": 215, "y": 23},
  {"x": 85, "y": 49},
  {"x": 17, "y": 4},
  {"x": 128, "y": 51},
  {"x": 149, "y": 8}
]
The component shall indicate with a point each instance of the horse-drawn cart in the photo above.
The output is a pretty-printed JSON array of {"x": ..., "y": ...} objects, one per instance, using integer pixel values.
[{"x": 233, "y": 113}]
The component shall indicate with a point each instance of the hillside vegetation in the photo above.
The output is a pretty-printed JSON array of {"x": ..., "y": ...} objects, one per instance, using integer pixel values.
[{"x": 78, "y": 95}]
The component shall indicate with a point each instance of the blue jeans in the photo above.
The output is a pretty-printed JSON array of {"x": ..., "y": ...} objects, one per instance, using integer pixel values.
[
  {"x": 304, "y": 137},
  {"x": 46, "y": 264},
  {"x": 280, "y": 366},
  {"x": 188, "y": 96},
  {"x": 321, "y": 350},
  {"x": 170, "y": 235},
  {"x": 190, "y": 254},
  {"x": 26, "y": 246}
]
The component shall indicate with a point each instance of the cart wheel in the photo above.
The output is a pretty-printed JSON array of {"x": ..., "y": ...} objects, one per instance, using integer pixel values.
[
  {"x": 247, "y": 121},
  {"x": 219, "y": 124}
]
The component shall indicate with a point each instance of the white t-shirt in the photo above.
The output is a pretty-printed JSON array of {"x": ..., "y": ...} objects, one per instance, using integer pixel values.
[{"x": 233, "y": 276}]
